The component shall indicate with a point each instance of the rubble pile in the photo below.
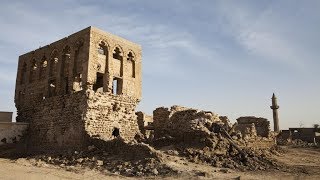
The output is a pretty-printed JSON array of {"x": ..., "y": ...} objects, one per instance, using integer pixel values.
[
  {"x": 295, "y": 143},
  {"x": 254, "y": 160},
  {"x": 180, "y": 124},
  {"x": 136, "y": 159},
  {"x": 204, "y": 137}
]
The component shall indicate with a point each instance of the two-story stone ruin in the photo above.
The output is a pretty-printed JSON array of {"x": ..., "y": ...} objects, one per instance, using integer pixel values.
[{"x": 86, "y": 85}]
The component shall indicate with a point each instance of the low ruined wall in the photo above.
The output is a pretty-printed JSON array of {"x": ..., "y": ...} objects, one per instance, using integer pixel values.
[
  {"x": 143, "y": 121},
  {"x": 5, "y": 116},
  {"x": 262, "y": 125},
  {"x": 11, "y": 132},
  {"x": 183, "y": 124}
]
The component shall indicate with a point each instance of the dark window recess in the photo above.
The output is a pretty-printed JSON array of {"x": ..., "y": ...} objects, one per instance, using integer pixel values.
[
  {"x": 33, "y": 69},
  {"x": 133, "y": 69},
  {"x": 23, "y": 73},
  {"x": 102, "y": 49},
  {"x": 52, "y": 88},
  {"x": 116, "y": 132},
  {"x": 66, "y": 85},
  {"x": 117, "y": 54},
  {"x": 99, "y": 82},
  {"x": 133, "y": 64}
]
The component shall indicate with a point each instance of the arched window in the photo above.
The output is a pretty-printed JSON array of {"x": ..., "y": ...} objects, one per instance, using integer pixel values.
[
  {"x": 77, "y": 68},
  {"x": 43, "y": 68},
  {"x": 23, "y": 73},
  {"x": 117, "y": 54},
  {"x": 65, "y": 62},
  {"x": 33, "y": 69},
  {"x": 132, "y": 63},
  {"x": 102, "y": 49},
  {"x": 53, "y": 63},
  {"x": 66, "y": 53}
]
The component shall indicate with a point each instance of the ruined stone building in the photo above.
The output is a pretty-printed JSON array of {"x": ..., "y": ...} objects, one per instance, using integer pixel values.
[
  {"x": 254, "y": 126},
  {"x": 86, "y": 85}
]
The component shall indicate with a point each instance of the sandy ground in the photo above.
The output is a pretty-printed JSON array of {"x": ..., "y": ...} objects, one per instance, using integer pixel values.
[{"x": 300, "y": 163}]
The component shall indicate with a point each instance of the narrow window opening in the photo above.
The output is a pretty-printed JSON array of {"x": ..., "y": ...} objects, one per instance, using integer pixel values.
[
  {"x": 77, "y": 83},
  {"x": 117, "y": 86},
  {"x": 114, "y": 86},
  {"x": 66, "y": 85},
  {"x": 102, "y": 48},
  {"x": 133, "y": 64},
  {"x": 99, "y": 82},
  {"x": 23, "y": 73},
  {"x": 21, "y": 96},
  {"x": 116, "y": 132},
  {"x": 53, "y": 63},
  {"x": 117, "y": 54},
  {"x": 33, "y": 69},
  {"x": 52, "y": 88},
  {"x": 43, "y": 68},
  {"x": 65, "y": 61},
  {"x": 133, "y": 69},
  {"x": 78, "y": 55}
]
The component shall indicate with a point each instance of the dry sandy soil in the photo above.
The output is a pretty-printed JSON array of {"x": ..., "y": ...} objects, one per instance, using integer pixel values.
[{"x": 297, "y": 163}]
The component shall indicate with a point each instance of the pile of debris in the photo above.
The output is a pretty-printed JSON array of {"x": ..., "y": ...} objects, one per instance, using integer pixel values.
[
  {"x": 128, "y": 159},
  {"x": 204, "y": 137}
]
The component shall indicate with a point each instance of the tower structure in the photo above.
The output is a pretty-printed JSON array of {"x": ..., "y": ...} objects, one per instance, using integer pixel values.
[
  {"x": 84, "y": 86},
  {"x": 275, "y": 108}
]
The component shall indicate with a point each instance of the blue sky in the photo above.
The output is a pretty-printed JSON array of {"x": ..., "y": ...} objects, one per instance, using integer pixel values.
[{"x": 224, "y": 56}]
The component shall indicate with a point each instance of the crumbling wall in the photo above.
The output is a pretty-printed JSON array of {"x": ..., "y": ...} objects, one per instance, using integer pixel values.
[
  {"x": 145, "y": 123},
  {"x": 183, "y": 124},
  {"x": 253, "y": 125},
  {"x": 110, "y": 116},
  {"x": 68, "y": 94}
]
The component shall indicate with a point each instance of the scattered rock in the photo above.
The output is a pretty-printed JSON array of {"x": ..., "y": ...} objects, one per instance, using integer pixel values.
[
  {"x": 99, "y": 163},
  {"x": 155, "y": 171},
  {"x": 225, "y": 170}
]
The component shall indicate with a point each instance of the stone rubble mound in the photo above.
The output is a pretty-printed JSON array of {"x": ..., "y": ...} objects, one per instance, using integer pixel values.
[
  {"x": 123, "y": 158},
  {"x": 204, "y": 137}
]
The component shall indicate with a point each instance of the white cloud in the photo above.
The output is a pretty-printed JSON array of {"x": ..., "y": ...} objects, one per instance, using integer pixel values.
[{"x": 262, "y": 33}]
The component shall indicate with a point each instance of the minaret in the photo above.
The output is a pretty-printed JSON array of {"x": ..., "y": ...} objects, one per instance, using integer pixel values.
[{"x": 275, "y": 108}]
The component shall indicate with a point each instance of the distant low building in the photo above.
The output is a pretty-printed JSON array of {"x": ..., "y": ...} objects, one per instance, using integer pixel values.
[
  {"x": 309, "y": 135},
  {"x": 5, "y": 116},
  {"x": 10, "y": 132}
]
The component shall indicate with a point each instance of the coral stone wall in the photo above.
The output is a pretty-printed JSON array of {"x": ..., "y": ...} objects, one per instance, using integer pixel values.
[
  {"x": 84, "y": 86},
  {"x": 184, "y": 124},
  {"x": 262, "y": 125},
  {"x": 56, "y": 123},
  {"x": 106, "y": 113},
  {"x": 144, "y": 120}
]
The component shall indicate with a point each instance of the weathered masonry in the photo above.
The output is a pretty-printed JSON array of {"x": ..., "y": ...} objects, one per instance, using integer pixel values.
[{"x": 86, "y": 85}]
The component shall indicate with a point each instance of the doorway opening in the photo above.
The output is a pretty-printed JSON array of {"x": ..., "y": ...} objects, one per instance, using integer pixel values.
[{"x": 116, "y": 132}]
